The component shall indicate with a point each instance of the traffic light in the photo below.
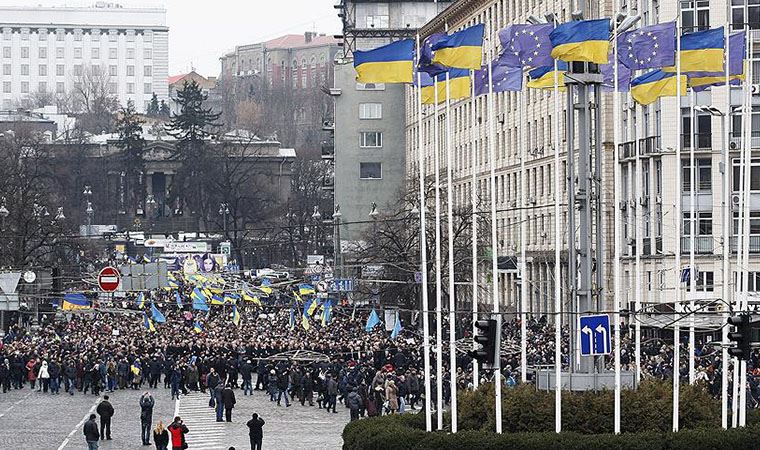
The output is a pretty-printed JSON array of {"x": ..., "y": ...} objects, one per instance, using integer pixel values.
[
  {"x": 488, "y": 339},
  {"x": 742, "y": 336}
]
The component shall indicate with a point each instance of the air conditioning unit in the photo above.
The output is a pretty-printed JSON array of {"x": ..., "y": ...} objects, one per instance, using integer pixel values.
[
  {"x": 623, "y": 205},
  {"x": 756, "y": 89},
  {"x": 732, "y": 145},
  {"x": 502, "y": 118},
  {"x": 658, "y": 200},
  {"x": 544, "y": 235},
  {"x": 632, "y": 204},
  {"x": 643, "y": 201},
  {"x": 631, "y": 242},
  {"x": 735, "y": 199},
  {"x": 532, "y": 200}
]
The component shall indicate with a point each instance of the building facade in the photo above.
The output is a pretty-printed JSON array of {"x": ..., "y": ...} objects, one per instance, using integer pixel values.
[
  {"x": 48, "y": 50},
  {"x": 177, "y": 83},
  {"x": 369, "y": 118}
]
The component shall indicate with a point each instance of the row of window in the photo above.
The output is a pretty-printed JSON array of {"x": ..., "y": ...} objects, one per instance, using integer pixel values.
[
  {"x": 60, "y": 35},
  {"x": 60, "y": 87},
  {"x": 60, "y": 70},
  {"x": 703, "y": 175},
  {"x": 60, "y": 53}
]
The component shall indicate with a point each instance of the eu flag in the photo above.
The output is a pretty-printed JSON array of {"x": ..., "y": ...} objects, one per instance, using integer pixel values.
[
  {"x": 608, "y": 72},
  {"x": 531, "y": 43},
  {"x": 649, "y": 47},
  {"x": 461, "y": 50},
  {"x": 390, "y": 63},
  {"x": 425, "y": 61},
  {"x": 506, "y": 74},
  {"x": 584, "y": 40}
]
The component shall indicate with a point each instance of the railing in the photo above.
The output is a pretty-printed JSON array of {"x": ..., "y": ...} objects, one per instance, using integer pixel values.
[
  {"x": 754, "y": 244},
  {"x": 702, "y": 244},
  {"x": 627, "y": 150},
  {"x": 703, "y": 141},
  {"x": 648, "y": 145},
  {"x": 735, "y": 139}
]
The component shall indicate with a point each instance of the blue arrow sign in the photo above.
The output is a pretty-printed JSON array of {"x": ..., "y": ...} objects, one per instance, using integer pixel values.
[
  {"x": 342, "y": 285},
  {"x": 595, "y": 335}
]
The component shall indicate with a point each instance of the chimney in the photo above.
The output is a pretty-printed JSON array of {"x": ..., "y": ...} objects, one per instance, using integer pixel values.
[{"x": 308, "y": 36}]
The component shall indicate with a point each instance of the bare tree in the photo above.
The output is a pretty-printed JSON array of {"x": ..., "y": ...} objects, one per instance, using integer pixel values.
[{"x": 92, "y": 100}]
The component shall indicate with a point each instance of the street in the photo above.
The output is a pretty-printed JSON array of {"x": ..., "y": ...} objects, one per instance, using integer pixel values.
[{"x": 41, "y": 421}]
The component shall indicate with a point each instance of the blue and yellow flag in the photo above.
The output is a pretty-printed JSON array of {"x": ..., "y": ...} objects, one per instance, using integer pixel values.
[
  {"x": 649, "y": 87},
  {"x": 140, "y": 300},
  {"x": 217, "y": 299},
  {"x": 702, "y": 51},
  {"x": 305, "y": 289},
  {"x": 584, "y": 40},
  {"x": 458, "y": 83},
  {"x": 305, "y": 314},
  {"x": 543, "y": 77},
  {"x": 178, "y": 299},
  {"x": 157, "y": 315},
  {"x": 248, "y": 297},
  {"x": 461, "y": 50},
  {"x": 392, "y": 63},
  {"x": 292, "y": 318},
  {"x": 146, "y": 259},
  {"x": 235, "y": 316},
  {"x": 75, "y": 301},
  {"x": 313, "y": 305},
  {"x": 198, "y": 298},
  {"x": 147, "y": 323},
  {"x": 326, "y": 312},
  {"x": 197, "y": 327}
]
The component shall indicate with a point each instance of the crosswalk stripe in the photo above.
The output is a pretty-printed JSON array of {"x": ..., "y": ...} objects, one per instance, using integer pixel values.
[{"x": 205, "y": 432}]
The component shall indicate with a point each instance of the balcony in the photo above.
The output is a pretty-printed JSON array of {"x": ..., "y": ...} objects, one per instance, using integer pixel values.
[
  {"x": 328, "y": 150},
  {"x": 703, "y": 141},
  {"x": 703, "y": 245},
  {"x": 735, "y": 140},
  {"x": 754, "y": 244},
  {"x": 627, "y": 150},
  {"x": 649, "y": 145}
]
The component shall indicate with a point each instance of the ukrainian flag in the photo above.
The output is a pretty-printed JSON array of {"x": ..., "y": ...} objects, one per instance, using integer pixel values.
[
  {"x": 702, "y": 51},
  {"x": 326, "y": 312},
  {"x": 585, "y": 40},
  {"x": 702, "y": 83},
  {"x": 235, "y": 316},
  {"x": 140, "y": 300},
  {"x": 197, "y": 327},
  {"x": 305, "y": 315},
  {"x": 265, "y": 289},
  {"x": 458, "y": 82},
  {"x": 649, "y": 87},
  {"x": 392, "y": 63},
  {"x": 543, "y": 77},
  {"x": 217, "y": 300},
  {"x": 313, "y": 307},
  {"x": 147, "y": 323},
  {"x": 305, "y": 289},
  {"x": 461, "y": 50},
  {"x": 75, "y": 301}
]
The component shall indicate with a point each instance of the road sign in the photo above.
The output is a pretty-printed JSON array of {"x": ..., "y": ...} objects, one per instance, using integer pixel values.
[
  {"x": 595, "y": 335},
  {"x": 108, "y": 279},
  {"x": 342, "y": 285},
  {"x": 418, "y": 277}
]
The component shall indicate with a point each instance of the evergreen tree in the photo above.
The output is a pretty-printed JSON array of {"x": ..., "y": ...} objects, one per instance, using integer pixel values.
[
  {"x": 164, "y": 110},
  {"x": 194, "y": 122},
  {"x": 153, "y": 106},
  {"x": 132, "y": 145}
]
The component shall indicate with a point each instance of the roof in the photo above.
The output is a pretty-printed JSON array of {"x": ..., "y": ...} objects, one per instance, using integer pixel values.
[
  {"x": 299, "y": 40},
  {"x": 174, "y": 78}
]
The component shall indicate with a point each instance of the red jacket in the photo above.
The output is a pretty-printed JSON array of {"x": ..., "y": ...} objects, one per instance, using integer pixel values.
[{"x": 178, "y": 431}]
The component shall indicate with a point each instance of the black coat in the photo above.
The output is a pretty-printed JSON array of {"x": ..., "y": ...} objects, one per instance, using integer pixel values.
[
  {"x": 162, "y": 438},
  {"x": 90, "y": 431},
  {"x": 228, "y": 398},
  {"x": 146, "y": 407},
  {"x": 255, "y": 428},
  {"x": 105, "y": 409}
]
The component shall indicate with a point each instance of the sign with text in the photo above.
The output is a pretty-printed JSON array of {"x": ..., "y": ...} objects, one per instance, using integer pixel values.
[{"x": 187, "y": 247}]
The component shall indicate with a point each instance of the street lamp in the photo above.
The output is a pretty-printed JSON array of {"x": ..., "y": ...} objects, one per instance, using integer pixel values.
[
  {"x": 316, "y": 217},
  {"x": 89, "y": 211},
  {"x": 4, "y": 213},
  {"x": 59, "y": 215},
  {"x": 223, "y": 211},
  {"x": 374, "y": 213},
  {"x": 336, "y": 235}
]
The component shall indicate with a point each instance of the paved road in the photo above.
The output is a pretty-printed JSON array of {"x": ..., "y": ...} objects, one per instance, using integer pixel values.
[{"x": 40, "y": 421}]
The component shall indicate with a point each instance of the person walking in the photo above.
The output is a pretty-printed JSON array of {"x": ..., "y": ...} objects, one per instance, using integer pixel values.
[
  {"x": 146, "y": 416},
  {"x": 332, "y": 392},
  {"x": 219, "y": 402},
  {"x": 354, "y": 401},
  {"x": 90, "y": 431},
  {"x": 177, "y": 431},
  {"x": 105, "y": 411},
  {"x": 160, "y": 436},
  {"x": 212, "y": 381},
  {"x": 228, "y": 399},
  {"x": 44, "y": 376},
  {"x": 391, "y": 394},
  {"x": 256, "y": 431}
]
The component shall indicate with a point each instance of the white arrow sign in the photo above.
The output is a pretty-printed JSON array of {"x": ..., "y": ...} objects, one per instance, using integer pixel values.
[{"x": 603, "y": 332}]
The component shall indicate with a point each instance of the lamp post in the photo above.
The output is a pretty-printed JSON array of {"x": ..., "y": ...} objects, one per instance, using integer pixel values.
[
  {"x": 374, "y": 214},
  {"x": 58, "y": 215},
  {"x": 89, "y": 211},
  {"x": 337, "y": 250},
  {"x": 223, "y": 211},
  {"x": 316, "y": 216},
  {"x": 4, "y": 213},
  {"x": 150, "y": 204}
]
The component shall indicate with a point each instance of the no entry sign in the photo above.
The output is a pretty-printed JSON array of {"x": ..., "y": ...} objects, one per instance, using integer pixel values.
[{"x": 108, "y": 279}]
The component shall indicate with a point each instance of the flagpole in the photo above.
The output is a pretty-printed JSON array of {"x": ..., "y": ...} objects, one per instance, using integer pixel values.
[
  {"x": 474, "y": 199},
  {"x": 450, "y": 232},
  {"x": 423, "y": 251},
  {"x": 523, "y": 202},
  {"x": 678, "y": 221},
  {"x": 494, "y": 234},
  {"x": 438, "y": 294},
  {"x": 692, "y": 231},
  {"x": 618, "y": 227},
  {"x": 639, "y": 226},
  {"x": 557, "y": 261},
  {"x": 726, "y": 236}
]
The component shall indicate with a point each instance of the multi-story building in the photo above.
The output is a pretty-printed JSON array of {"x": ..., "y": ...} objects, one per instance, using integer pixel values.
[
  {"x": 177, "y": 83},
  {"x": 369, "y": 118},
  {"x": 286, "y": 76},
  {"x": 54, "y": 50},
  {"x": 648, "y": 139}
]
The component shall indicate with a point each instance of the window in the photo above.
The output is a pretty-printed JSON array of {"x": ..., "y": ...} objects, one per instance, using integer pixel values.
[
  {"x": 130, "y": 53},
  {"x": 41, "y": 86},
  {"x": 60, "y": 87},
  {"x": 148, "y": 88},
  {"x": 703, "y": 175},
  {"x": 78, "y": 70},
  {"x": 130, "y": 88},
  {"x": 754, "y": 223},
  {"x": 59, "y": 52},
  {"x": 705, "y": 281},
  {"x": 113, "y": 36},
  {"x": 703, "y": 226},
  {"x": 42, "y": 70},
  {"x": 113, "y": 53},
  {"x": 112, "y": 88},
  {"x": 24, "y": 87},
  {"x": 370, "y": 86},
  {"x": 754, "y": 179},
  {"x": 42, "y": 35},
  {"x": 24, "y": 69},
  {"x": 130, "y": 71},
  {"x": 148, "y": 53},
  {"x": 95, "y": 70},
  {"x": 370, "y": 139},
  {"x": 78, "y": 52},
  {"x": 25, "y": 52},
  {"x": 77, "y": 35},
  {"x": 113, "y": 71},
  {"x": 370, "y": 171},
  {"x": 95, "y": 53},
  {"x": 148, "y": 71},
  {"x": 148, "y": 36},
  {"x": 370, "y": 110},
  {"x": 60, "y": 35},
  {"x": 745, "y": 12},
  {"x": 43, "y": 52},
  {"x": 95, "y": 36},
  {"x": 6, "y": 52},
  {"x": 60, "y": 70},
  {"x": 702, "y": 133},
  {"x": 6, "y": 69},
  {"x": 695, "y": 15},
  {"x": 7, "y": 87}
]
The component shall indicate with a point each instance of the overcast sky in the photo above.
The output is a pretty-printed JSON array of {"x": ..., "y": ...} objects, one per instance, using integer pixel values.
[{"x": 201, "y": 31}]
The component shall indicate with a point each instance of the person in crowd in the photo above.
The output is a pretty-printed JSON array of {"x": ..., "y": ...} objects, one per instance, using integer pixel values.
[
  {"x": 228, "y": 400},
  {"x": 91, "y": 434},
  {"x": 256, "y": 431},
  {"x": 391, "y": 394},
  {"x": 160, "y": 436},
  {"x": 105, "y": 411},
  {"x": 146, "y": 416},
  {"x": 177, "y": 432},
  {"x": 354, "y": 400}
]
